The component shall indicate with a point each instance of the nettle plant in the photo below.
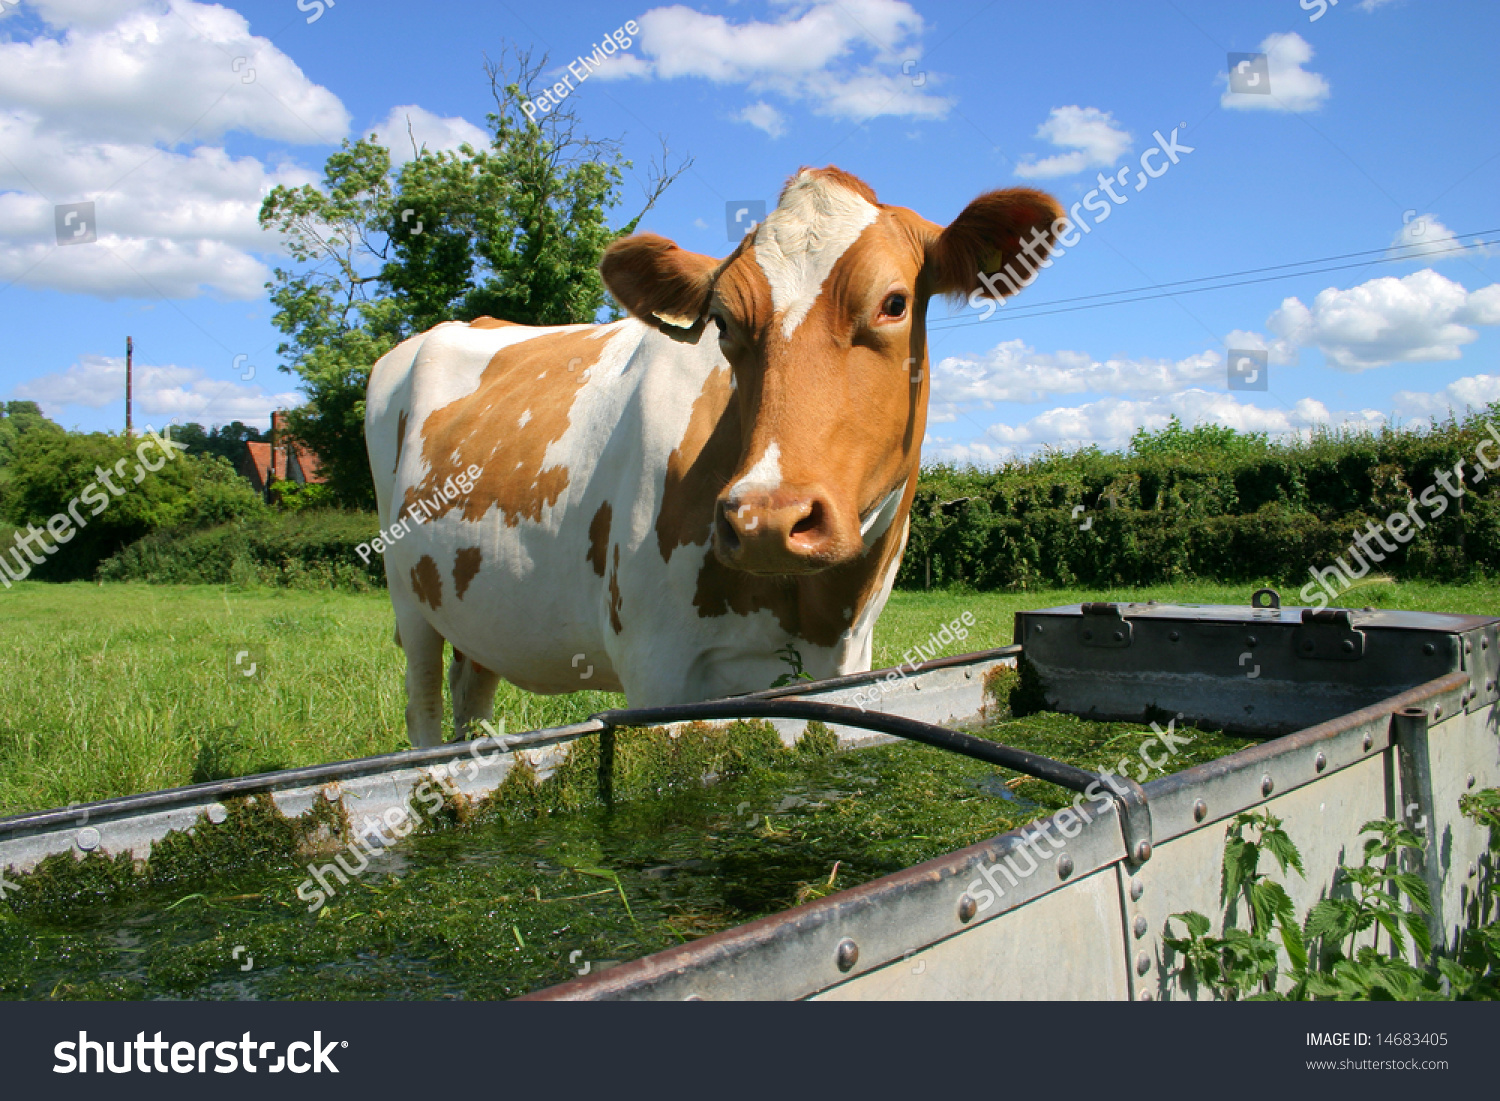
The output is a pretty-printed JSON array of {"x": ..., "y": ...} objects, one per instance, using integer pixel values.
[
  {"x": 793, "y": 658},
  {"x": 1325, "y": 959}
]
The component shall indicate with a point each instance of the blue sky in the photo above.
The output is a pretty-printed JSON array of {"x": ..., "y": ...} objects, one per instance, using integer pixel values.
[{"x": 1378, "y": 131}]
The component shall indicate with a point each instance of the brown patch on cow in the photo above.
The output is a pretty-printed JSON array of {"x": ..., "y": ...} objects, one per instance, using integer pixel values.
[
  {"x": 427, "y": 582},
  {"x": 614, "y": 594},
  {"x": 400, "y": 438},
  {"x": 484, "y": 429},
  {"x": 487, "y": 322},
  {"x": 465, "y": 566},
  {"x": 700, "y": 466},
  {"x": 598, "y": 552}
]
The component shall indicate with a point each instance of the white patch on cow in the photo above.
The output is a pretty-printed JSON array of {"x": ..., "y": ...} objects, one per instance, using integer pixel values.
[
  {"x": 802, "y": 239},
  {"x": 764, "y": 476},
  {"x": 873, "y": 526},
  {"x": 860, "y": 644},
  {"x": 525, "y": 417}
]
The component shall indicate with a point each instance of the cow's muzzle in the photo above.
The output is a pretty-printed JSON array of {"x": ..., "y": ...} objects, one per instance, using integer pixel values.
[{"x": 778, "y": 532}]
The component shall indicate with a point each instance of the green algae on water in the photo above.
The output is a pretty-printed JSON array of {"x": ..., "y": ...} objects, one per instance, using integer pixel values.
[{"x": 546, "y": 878}]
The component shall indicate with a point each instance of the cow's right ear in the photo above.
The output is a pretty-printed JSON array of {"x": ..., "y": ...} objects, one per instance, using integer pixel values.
[{"x": 658, "y": 282}]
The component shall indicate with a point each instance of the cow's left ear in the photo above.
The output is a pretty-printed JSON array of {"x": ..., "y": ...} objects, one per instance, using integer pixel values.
[
  {"x": 992, "y": 236},
  {"x": 658, "y": 282}
]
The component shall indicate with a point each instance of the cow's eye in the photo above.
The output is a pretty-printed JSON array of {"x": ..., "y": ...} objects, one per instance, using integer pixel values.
[{"x": 893, "y": 306}]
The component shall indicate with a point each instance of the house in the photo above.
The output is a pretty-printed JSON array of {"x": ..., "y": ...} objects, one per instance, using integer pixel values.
[{"x": 280, "y": 460}]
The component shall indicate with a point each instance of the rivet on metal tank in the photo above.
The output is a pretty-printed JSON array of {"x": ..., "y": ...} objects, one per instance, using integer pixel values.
[
  {"x": 88, "y": 839},
  {"x": 1320, "y": 762},
  {"x": 1142, "y": 851},
  {"x": 1064, "y": 866},
  {"x": 1200, "y": 810},
  {"x": 1267, "y": 785},
  {"x": 1137, "y": 889},
  {"x": 1143, "y": 963},
  {"x": 1139, "y": 928},
  {"x": 847, "y": 954},
  {"x": 967, "y": 908},
  {"x": 1369, "y": 741}
]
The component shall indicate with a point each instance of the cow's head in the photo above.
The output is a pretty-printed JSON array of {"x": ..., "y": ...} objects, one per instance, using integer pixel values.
[{"x": 821, "y": 313}]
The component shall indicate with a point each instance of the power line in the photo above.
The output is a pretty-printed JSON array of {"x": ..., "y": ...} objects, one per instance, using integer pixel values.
[{"x": 1037, "y": 309}]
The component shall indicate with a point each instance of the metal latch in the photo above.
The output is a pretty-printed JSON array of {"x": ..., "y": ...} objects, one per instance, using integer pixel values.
[
  {"x": 1104, "y": 625},
  {"x": 1329, "y": 635}
]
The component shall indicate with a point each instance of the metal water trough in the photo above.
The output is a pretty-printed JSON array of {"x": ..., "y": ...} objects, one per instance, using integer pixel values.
[{"x": 1368, "y": 714}]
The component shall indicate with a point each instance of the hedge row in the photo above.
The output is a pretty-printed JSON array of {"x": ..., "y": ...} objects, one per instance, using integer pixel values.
[
  {"x": 1230, "y": 508},
  {"x": 1201, "y": 503},
  {"x": 314, "y": 549}
]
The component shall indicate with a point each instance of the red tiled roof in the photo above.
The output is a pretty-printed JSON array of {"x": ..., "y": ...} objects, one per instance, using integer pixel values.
[
  {"x": 311, "y": 465},
  {"x": 270, "y": 464}
]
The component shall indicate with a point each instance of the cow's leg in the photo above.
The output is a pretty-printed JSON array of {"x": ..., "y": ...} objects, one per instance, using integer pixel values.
[
  {"x": 473, "y": 689},
  {"x": 424, "y": 678}
]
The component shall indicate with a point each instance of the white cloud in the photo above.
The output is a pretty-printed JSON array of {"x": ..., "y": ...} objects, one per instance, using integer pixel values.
[
  {"x": 1293, "y": 88},
  {"x": 1424, "y": 237},
  {"x": 1094, "y": 137},
  {"x": 1421, "y": 318},
  {"x": 184, "y": 220},
  {"x": 166, "y": 392},
  {"x": 124, "y": 106},
  {"x": 409, "y": 123},
  {"x": 1473, "y": 392},
  {"x": 807, "y": 55},
  {"x": 161, "y": 74},
  {"x": 763, "y": 116},
  {"x": 82, "y": 13},
  {"x": 1280, "y": 353},
  {"x": 1013, "y": 372}
]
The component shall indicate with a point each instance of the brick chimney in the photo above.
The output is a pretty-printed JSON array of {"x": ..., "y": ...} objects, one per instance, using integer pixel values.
[{"x": 275, "y": 444}]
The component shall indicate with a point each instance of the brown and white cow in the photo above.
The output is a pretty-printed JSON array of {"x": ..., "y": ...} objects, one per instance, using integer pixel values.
[{"x": 659, "y": 504}]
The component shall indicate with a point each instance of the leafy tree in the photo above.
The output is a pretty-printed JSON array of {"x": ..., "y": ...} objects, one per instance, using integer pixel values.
[
  {"x": 51, "y": 471},
  {"x": 19, "y": 419},
  {"x": 514, "y": 230},
  {"x": 226, "y": 440}
]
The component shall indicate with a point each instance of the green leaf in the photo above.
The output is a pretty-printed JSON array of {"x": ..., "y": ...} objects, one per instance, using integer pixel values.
[
  {"x": 1280, "y": 846},
  {"x": 1240, "y": 858},
  {"x": 1197, "y": 924}
]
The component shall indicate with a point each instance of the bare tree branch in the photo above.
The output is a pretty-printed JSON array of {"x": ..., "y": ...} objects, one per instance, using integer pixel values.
[{"x": 660, "y": 175}]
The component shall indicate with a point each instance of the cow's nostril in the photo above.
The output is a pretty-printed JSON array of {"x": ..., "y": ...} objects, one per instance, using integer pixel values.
[
  {"x": 729, "y": 539},
  {"x": 812, "y": 523}
]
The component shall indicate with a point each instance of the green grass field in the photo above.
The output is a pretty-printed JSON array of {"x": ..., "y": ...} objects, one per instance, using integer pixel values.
[{"x": 116, "y": 689}]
